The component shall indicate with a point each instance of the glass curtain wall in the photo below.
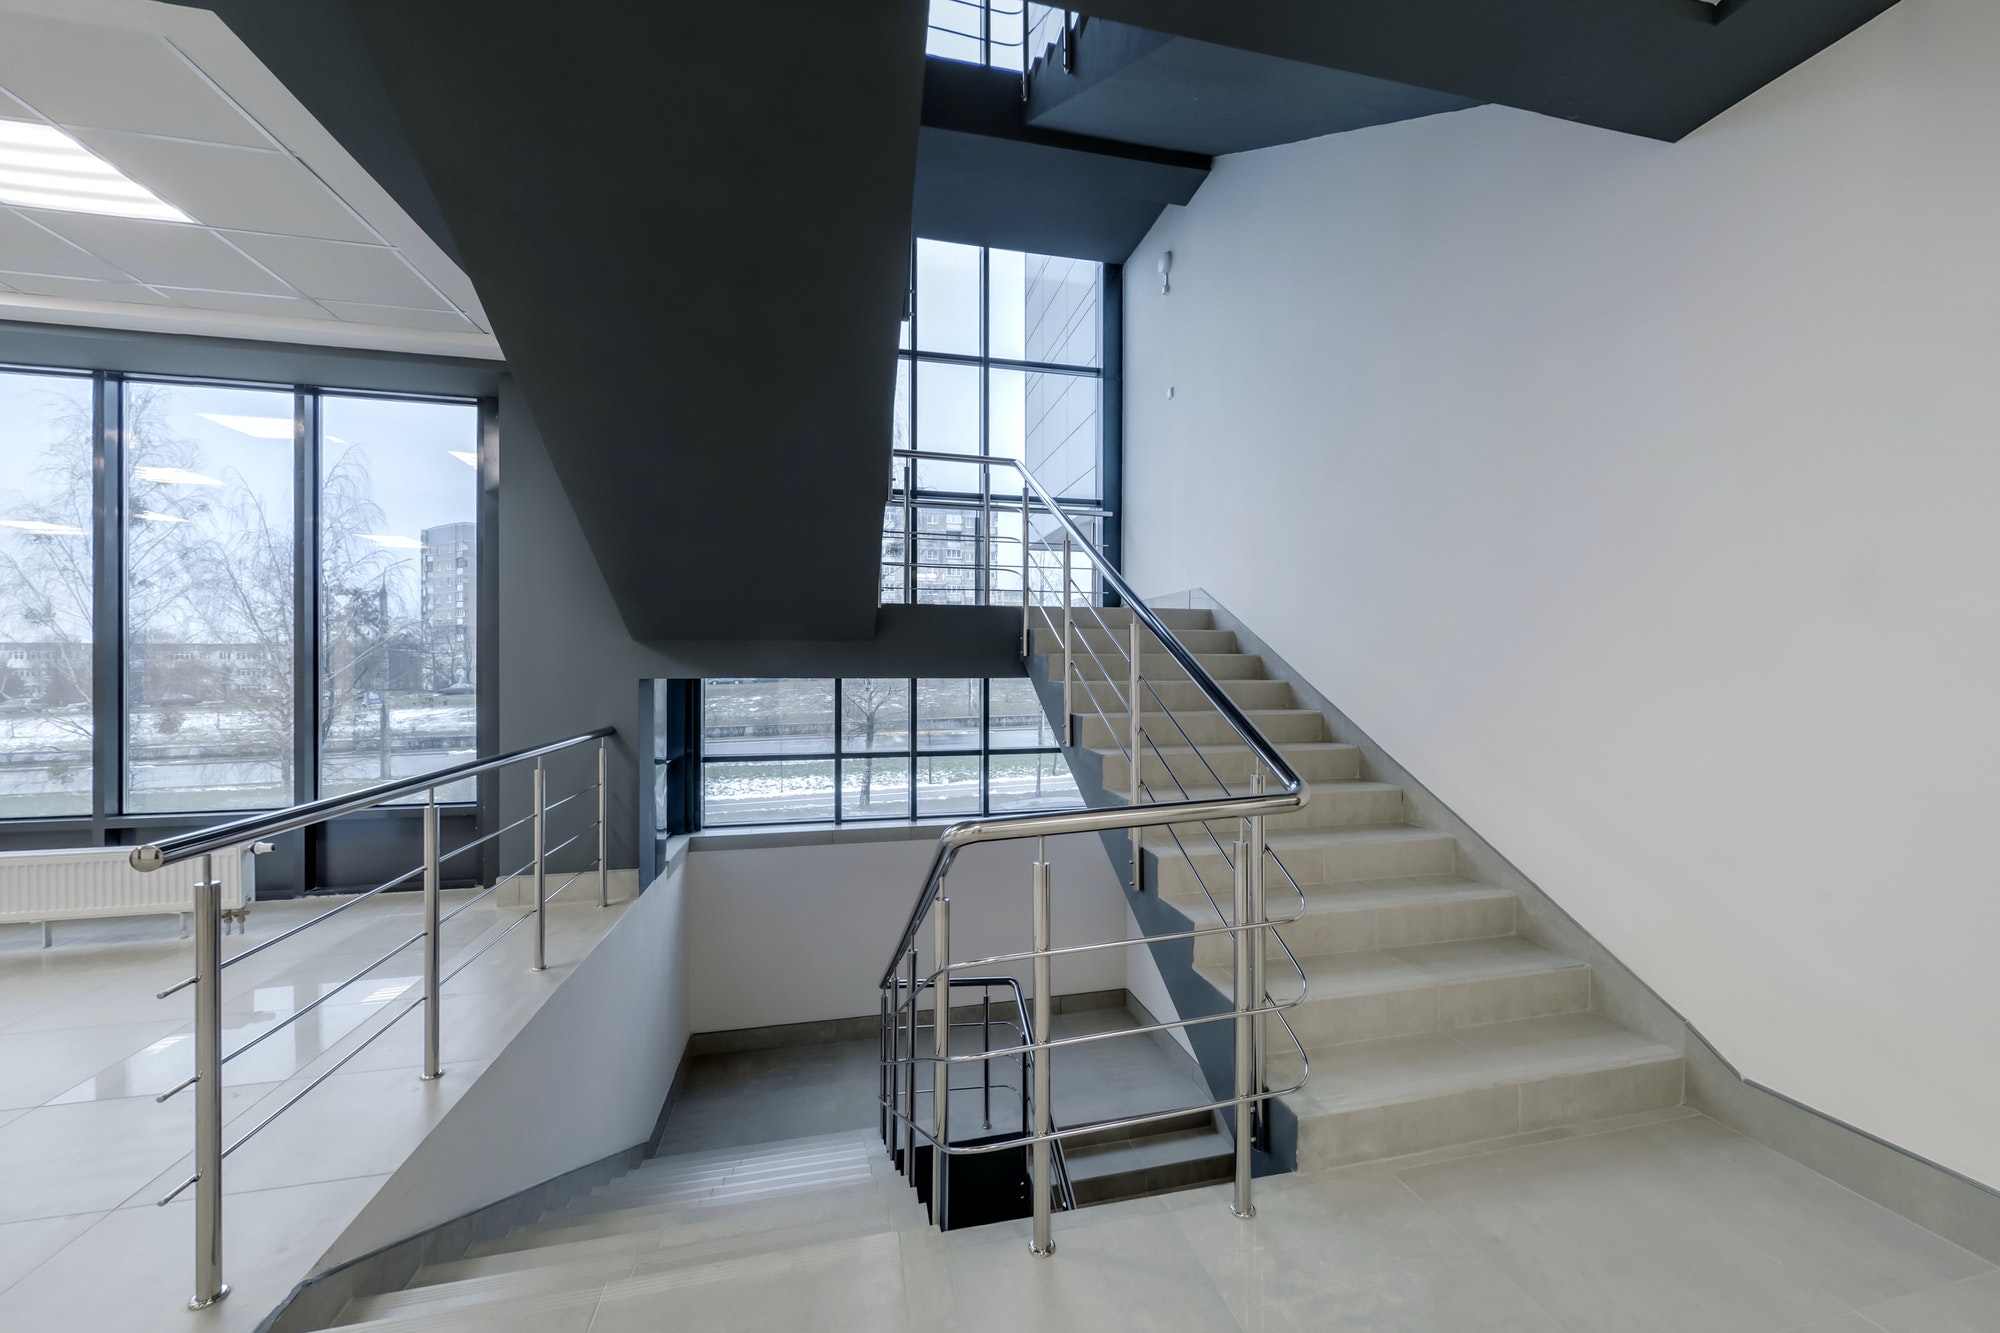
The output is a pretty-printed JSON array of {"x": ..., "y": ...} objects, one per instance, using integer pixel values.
[
  {"x": 204, "y": 512},
  {"x": 787, "y": 751},
  {"x": 47, "y": 582},
  {"x": 1001, "y": 357},
  {"x": 398, "y": 574}
]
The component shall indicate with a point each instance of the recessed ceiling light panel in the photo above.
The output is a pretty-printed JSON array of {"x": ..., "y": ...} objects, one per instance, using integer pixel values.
[{"x": 41, "y": 167}]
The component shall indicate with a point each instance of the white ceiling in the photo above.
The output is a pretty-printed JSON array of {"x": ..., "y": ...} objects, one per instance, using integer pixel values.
[{"x": 291, "y": 240}]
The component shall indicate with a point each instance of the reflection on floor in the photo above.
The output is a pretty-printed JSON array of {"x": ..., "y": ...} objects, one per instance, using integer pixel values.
[
  {"x": 85, "y": 1047},
  {"x": 1661, "y": 1222}
]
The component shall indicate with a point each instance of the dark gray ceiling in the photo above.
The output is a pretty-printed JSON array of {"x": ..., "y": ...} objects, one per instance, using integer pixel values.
[
  {"x": 689, "y": 221},
  {"x": 1142, "y": 87},
  {"x": 985, "y": 176},
  {"x": 1659, "y": 68}
]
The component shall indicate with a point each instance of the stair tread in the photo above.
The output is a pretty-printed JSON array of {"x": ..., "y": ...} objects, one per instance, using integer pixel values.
[
  {"x": 559, "y": 1229},
  {"x": 1391, "y": 1070},
  {"x": 580, "y": 1270},
  {"x": 1155, "y": 1150},
  {"x": 1282, "y": 840},
  {"x": 1416, "y": 967}
]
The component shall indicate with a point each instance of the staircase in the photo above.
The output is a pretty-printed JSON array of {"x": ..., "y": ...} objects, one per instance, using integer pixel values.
[
  {"x": 1430, "y": 1018},
  {"x": 643, "y": 1246}
]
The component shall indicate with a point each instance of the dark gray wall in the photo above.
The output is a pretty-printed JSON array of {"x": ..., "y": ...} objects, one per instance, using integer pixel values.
[{"x": 567, "y": 664}]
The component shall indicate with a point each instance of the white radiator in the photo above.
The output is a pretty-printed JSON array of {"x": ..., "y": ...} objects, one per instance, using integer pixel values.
[{"x": 72, "y": 883}]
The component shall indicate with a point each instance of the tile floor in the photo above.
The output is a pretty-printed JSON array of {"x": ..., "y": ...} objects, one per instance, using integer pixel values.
[
  {"x": 1662, "y": 1222},
  {"x": 85, "y": 1046}
]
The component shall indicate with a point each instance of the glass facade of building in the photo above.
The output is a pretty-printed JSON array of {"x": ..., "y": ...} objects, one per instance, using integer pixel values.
[
  {"x": 789, "y": 751},
  {"x": 196, "y": 489}
]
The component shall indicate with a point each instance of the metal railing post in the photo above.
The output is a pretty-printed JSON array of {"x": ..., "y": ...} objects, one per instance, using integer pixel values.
[
  {"x": 1260, "y": 946},
  {"x": 909, "y": 1079},
  {"x": 208, "y": 1284},
  {"x": 1040, "y": 1176},
  {"x": 1241, "y": 1204},
  {"x": 882, "y": 1052},
  {"x": 1069, "y": 653},
  {"x": 941, "y": 1071},
  {"x": 910, "y": 532},
  {"x": 433, "y": 946},
  {"x": 1138, "y": 728},
  {"x": 984, "y": 583},
  {"x": 1027, "y": 616},
  {"x": 541, "y": 818},
  {"x": 603, "y": 806}
]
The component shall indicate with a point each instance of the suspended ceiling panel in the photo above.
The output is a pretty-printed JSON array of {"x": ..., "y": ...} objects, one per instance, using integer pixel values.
[{"x": 287, "y": 239}]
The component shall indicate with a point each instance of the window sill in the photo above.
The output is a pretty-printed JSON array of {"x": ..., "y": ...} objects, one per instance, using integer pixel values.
[{"x": 818, "y": 835}]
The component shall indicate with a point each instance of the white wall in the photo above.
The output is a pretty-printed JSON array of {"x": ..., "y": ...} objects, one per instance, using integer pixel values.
[
  {"x": 795, "y": 934},
  {"x": 1644, "y": 499},
  {"x": 587, "y": 1077}
]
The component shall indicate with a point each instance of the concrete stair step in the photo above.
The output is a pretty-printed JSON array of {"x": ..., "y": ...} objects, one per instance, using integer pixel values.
[
  {"x": 683, "y": 1192},
  {"x": 686, "y": 1220},
  {"x": 1161, "y": 667},
  {"x": 1312, "y": 856},
  {"x": 1203, "y": 726},
  {"x": 1176, "y": 618},
  {"x": 1118, "y": 640},
  {"x": 1377, "y": 993},
  {"x": 1375, "y": 1099},
  {"x": 1336, "y": 803},
  {"x": 654, "y": 1175},
  {"x": 1153, "y": 1164},
  {"x": 1186, "y": 696},
  {"x": 1227, "y": 765},
  {"x": 1376, "y": 914},
  {"x": 655, "y": 1291},
  {"x": 578, "y": 1269}
]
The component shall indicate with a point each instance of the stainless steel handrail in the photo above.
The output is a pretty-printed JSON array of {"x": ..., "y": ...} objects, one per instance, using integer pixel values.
[
  {"x": 1246, "y": 926},
  {"x": 256, "y": 828},
  {"x": 210, "y": 965},
  {"x": 1291, "y": 795}
]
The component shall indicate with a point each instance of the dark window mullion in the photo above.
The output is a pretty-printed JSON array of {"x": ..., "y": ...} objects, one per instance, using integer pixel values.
[{"x": 107, "y": 603}]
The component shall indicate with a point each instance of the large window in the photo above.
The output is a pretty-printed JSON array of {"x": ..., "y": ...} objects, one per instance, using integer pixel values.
[
  {"x": 209, "y": 609},
  {"x": 1002, "y": 356},
  {"x": 46, "y": 603},
  {"x": 398, "y": 573},
  {"x": 787, "y": 751},
  {"x": 262, "y": 663}
]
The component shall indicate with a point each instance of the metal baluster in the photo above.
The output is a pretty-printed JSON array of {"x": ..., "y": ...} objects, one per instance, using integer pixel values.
[
  {"x": 941, "y": 1071},
  {"x": 208, "y": 1284},
  {"x": 541, "y": 819},
  {"x": 984, "y": 583},
  {"x": 1027, "y": 616},
  {"x": 909, "y": 1079},
  {"x": 882, "y": 1081},
  {"x": 603, "y": 873},
  {"x": 910, "y": 531},
  {"x": 1241, "y": 1205},
  {"x": 433, "y": 952},
  {"x": 1040, "y": 1176},
  {"x": 1069, "y": 652},
  {"x": 986, "y": 1066},
  {"x": 1138, "y": 729},
  {"x": 1260, "y": 943}
]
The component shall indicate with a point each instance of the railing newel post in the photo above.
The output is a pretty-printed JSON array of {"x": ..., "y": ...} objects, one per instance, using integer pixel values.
[
  {"x": 1027, "y": 616},
  {"x": 1069, "y": 652},
  {"x": 1241, "y": 1204},
  {"x": 433, "y": 945},
  {"x": 1134, "y": 682},
  {"x": 603, "y": 833},
  {"x": 540, "y": 827},
  {"x": 1040, "y": 1175},
  {"x": 1260, "y": 945},
  {"x": 941, "y": 1047},
  {"x": 208, "y": 1284}
]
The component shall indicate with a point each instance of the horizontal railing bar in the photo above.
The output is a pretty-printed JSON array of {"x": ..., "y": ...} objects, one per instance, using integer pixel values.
[
  {"x": 557, "y": 805},
  {"x": 485, "y": 838},
  {"x": 330, "y": 912},
  {"x": 168, "y": 851},
  {"x": 1268, "y": 923},
  {"x": 307, "y": 1008},
  {"x": 566, "y": 883},
  {"x": 366, "y": 1042},
  {"x": 491, "y": 888},
  {"x": 1292, "y": 794}
]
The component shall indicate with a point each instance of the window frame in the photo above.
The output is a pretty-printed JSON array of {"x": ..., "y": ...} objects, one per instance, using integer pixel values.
[
  {"x": 110, "y": 804},
  {"x": 911, "y": 755}
]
